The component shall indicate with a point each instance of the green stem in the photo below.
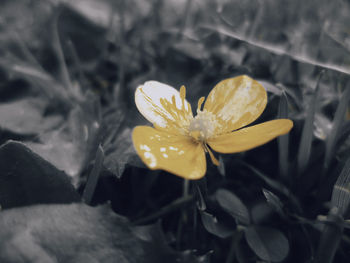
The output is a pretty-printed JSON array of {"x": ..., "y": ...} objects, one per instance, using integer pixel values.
[
  {"x": 178, "y": 203},
  {"x": 183, "y": 217},
  {"x": 234, "y": 240},
  {"x": 330, "y": 238},
  {"x": 186, "y": 188}
]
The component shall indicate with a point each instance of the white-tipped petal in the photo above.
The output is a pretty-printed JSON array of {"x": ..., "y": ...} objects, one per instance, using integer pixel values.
[{"x": 162, "y": 105}]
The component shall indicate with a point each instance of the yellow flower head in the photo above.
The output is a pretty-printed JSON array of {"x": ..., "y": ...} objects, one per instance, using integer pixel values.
[{"x": 178, "y": 141}]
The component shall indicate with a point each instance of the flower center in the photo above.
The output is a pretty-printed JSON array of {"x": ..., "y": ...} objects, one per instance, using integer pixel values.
[{"x": 202, "y": 126}]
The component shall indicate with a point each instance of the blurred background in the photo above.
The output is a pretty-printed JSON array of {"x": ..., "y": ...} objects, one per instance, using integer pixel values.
[{"x": 68, "y": 73}]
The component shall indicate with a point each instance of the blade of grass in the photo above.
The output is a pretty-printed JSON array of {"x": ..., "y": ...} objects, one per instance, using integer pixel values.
[
  {"x": 283, "y": 141},
  {"x": 341, "y": 190},
  {"x": 338, "y": 120},
  {"x": 36, "y": 76},
  {"x": 77, "y": 63},
  {"x": 330, "y": 237},
  {"x": 157, "y": 7},
  {"x": 120, "y": 89},
  {"x": 93, "y": 177},
  {"x": 59, "y": 51},
  {"x": 333, "y": 230},
  {"x": 236, "y": 237},
  {"x": 177, "y": 204},
  {"x": 25, "y": 51},
  {"x": 184, "y": 19},
  {"x": 279, "y": 187},
  {"x": 307, "y": 133}
]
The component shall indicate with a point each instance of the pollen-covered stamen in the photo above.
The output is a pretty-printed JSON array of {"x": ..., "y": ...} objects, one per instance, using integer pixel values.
[
  {"x": 202, "y": 126},
  {"x": 183, "y": 95},
  {"x": 180, "y": 114},
  {"x": 187, "y": 110}
]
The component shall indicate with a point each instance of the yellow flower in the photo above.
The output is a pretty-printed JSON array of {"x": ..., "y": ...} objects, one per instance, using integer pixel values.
[{"x": 178, "y": 141}]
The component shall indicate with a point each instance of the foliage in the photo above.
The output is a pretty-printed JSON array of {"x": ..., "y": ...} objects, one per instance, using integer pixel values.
[{"x": 68, "y": 73}]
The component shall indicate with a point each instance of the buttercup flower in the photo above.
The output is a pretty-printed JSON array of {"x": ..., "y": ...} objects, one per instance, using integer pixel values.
[{"x": 178, "y": 142}]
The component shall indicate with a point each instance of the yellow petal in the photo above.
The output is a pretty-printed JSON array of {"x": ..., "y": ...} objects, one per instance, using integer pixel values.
[
  {"x": 163, "y": 105},
  {"x": 176, "y": 154},
  {"x": 250, "y": 137},
  {"x": 236, "y": 102}
]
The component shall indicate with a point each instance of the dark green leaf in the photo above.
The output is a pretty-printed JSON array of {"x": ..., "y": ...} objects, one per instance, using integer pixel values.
[
  {"x": 121, "y": 153},
  {"x": 213, "y": 226},
  {"x": 233, "y": 205},
  {"x": 93, "y": 176},
  {"x": 274, "y": 201},
  {"x": 341, "y": 190},
  {"x": 337, "y": 122},
  {"x": 221, "y": 167},
  {"x": 26, "y": 179},
  {"x": 283, "y": 141},
  {"x": 331, "y": 237},
  {"x": 268, "y": 243},
  {"x": 272, "y": 183},
  {"x": 242, "y": 250},
  {"x": 307, "y": 133},
  {"x": 261, "y": 213}
]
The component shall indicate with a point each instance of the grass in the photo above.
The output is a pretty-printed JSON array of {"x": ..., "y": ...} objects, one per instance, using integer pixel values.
[{"x": 85, "y": 61}]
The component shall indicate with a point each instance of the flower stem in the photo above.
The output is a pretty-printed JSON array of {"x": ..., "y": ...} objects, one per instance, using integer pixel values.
[
  {"x": 186, "y": 188},
  {"x": 175, "y": 205},
  {"x": 183, "y": 217}
]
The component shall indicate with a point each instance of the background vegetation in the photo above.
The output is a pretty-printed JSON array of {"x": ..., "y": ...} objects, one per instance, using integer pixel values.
[{"x": 68, "y": 72}]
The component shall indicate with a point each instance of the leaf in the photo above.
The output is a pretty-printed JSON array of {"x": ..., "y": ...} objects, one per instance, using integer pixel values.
[
  {"x": 213, "y": 226},
  {"x": 337, "y": 122},
  {"x": 72, "y": 146},
  {"x": 121, "y": 153},
  {"x": 341, "y": 190},
  {"x": 93, "y": 177},
  {"x": 307, "y": 133},
  {"x": 79, "y": 233},
  {"x": 242, "y": 250},
  {"x": 233, "y": 205},
  {"x": 153, "y": 233},
  {"x": 221, "y": 167},
  {"x": 283, "y": 141},
  {"x": 26, "y": 117},
  {"x": 276, "y": 90},
  {"x": 270, "y": 182},
  {"x": 268, "y": 243},
  {"x": 274, "y": 201},
  {"x": 331, "y": 236},
  {"x": 261, "y": 213},
  {"x": 27, "y": 179},
  {"x": 323, "y": 126},
  {"x": 299, "y": 34}
]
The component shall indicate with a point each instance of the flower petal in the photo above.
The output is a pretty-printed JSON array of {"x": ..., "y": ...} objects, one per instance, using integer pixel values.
[
  {"x": 236, "y": 102},
  {"x": 176, "y": 154},
  {"x": 163, "y": 105},
  {"x": 250, "y": 137}
]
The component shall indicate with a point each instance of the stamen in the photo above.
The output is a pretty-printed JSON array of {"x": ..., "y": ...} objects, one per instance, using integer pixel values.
[
  {"x": 183, "y": 99},
  {"x": 183, "y": 93},
  {"x": 200, "y": 102},
  {"x": 175, "y": 117},
  {"x": 206, "y": 123},
  {"x": 173, "y": 101}
]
